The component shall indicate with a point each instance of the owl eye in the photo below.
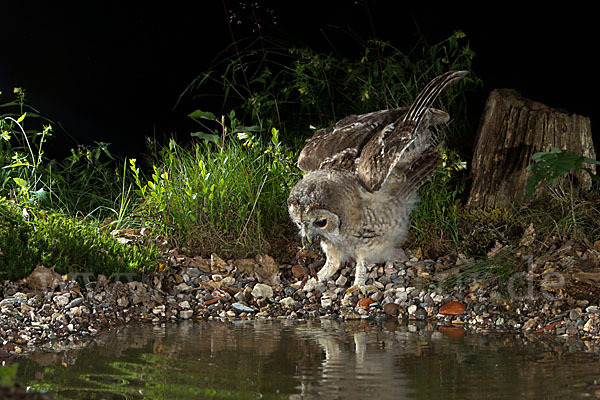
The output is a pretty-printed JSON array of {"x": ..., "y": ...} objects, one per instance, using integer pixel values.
[{"x": 320, "y": 223}]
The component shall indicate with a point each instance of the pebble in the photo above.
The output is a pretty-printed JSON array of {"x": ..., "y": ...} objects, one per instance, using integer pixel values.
[
  {"x": 239, "y": 307},
  {"x": 262, "y": 290},
  {"x": 184, "y": 304},
  {"x": 327, "y": 300},
  {"x": 404, "y": 288},
  {"x": 420, "y": 313},
  {"x": 390, "y": 309},
  {"x": 61, "y": 301}
]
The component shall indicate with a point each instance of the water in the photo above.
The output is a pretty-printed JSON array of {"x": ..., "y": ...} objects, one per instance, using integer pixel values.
[{"x": 312, "y": 360}]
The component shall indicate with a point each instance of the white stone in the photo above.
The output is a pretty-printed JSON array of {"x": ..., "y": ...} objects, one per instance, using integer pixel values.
[
  {"x": 310, "y": 285},
  {"x": 61, "y": 301},
  {"x": 341, "y": 281},
  {"x": 184, "y": 304},
  {"x": 411, "y": 309},
  {"x": 262, "y": 290},
  {"x": 186, "y": 314},
  {"x": 288, "y": 302},
  {"x": 326, "y": 301}
]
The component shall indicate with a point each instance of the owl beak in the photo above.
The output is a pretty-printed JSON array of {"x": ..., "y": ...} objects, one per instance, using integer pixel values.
[{"x": 305, "y": 234}]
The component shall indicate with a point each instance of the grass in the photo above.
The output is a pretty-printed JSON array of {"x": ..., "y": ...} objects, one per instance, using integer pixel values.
[
  {"x": 225, "y": 191},
  {"x": 66, "y": 243}
]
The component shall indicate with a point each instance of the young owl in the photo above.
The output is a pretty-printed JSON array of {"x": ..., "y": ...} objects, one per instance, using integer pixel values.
[{"x": 361, "y": 182}]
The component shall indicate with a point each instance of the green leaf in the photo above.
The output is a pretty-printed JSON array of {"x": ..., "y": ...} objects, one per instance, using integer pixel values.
[
  {"x": 18, "y": 164},
  {"x": 209, "y": 137},
  {"x": 21, "y": 182},
  {"x": 203, "y": 115}
]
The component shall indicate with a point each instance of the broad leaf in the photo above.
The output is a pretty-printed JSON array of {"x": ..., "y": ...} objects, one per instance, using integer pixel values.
[
  {"x": 209, "y": 137},
  {"x": 203, "y": 115},
  {"x": 21, "y": 182}
]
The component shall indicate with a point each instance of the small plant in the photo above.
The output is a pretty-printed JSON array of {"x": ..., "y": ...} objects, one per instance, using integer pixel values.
[
  {"x": 225, "y": 193},
  {"x": 66, "y": 243},
  {"x": 547, "y": 168},
  {"x": 82, "y": 183},
  {"x": 556, "y": 163},
  {"x": 435, "y": 219}
]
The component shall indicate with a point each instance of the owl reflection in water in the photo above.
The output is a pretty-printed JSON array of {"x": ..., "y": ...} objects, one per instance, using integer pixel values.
[{"x": 362, "y": 179}]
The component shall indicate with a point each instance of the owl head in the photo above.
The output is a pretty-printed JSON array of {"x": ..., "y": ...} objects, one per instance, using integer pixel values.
[{"x": 319, "y": 204}]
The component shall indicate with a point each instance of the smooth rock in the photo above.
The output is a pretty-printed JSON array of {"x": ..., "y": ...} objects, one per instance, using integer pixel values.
[
  {"x": 390, "y": 309},
  {"x": 75, "y": 302},
  {"x": 262, "y": 290},
  {"x": 452, "y": 308},
  {"x": 420, "y": 313},
  {"x": 288, "y": 302},
  {"x": 239, "y": 307}
]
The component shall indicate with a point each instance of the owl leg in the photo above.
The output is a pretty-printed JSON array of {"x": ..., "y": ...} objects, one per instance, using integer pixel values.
[
  {"x": 360, "y": 275},
  {"x": 330, "y": 267}
]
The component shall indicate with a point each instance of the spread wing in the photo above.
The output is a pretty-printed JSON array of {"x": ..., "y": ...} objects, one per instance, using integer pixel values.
[
  {"x": 403, "y": 140},
  {"x": 339, "y": 146}
]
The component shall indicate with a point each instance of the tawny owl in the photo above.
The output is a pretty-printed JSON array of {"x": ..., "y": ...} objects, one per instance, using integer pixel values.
[{"x": 361, "y": 181}]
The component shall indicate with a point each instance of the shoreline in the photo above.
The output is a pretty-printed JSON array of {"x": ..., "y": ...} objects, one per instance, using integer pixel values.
[{"x": 557, "y": 296}]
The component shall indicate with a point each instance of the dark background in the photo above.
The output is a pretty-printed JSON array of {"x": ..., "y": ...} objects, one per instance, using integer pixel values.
[{"x": 113, "y": 70}]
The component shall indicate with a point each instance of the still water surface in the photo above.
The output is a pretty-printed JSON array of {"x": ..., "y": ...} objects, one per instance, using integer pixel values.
[{"x": 312, "y": 360}]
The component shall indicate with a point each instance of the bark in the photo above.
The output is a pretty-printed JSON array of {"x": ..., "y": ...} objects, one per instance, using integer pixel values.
[{"x": 511, "y": 130}]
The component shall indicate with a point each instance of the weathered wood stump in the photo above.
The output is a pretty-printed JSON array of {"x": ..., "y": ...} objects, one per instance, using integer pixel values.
[{"x": 511, "y": 130}]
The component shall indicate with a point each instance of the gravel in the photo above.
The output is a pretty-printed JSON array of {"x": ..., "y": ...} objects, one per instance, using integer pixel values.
[{"x": 193, "y": 288}]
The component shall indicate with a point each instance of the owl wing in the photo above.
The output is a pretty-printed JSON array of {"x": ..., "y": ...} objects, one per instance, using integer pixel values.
[
  {"x": 404, "y": 139},
  {"x": 338, "y": 146}
]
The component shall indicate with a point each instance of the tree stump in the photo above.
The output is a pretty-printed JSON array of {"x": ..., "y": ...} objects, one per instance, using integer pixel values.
[{"x": 511, "y": 130}]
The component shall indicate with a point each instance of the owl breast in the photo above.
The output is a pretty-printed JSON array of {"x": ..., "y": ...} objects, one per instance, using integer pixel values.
[{"x": 385, "y": 223}]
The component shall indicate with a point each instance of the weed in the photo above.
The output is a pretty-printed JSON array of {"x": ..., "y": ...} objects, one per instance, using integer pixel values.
[
  {"x": 483, "y": 271},
  {"x": 66, "y": 243},
  {"x": 434, "y": 222},
  {"x": 570, "y": 210},
  {"x": 82, "y": 183},
  {"x": 291, "y": 88},
  {"x": 225, "y": 194}
]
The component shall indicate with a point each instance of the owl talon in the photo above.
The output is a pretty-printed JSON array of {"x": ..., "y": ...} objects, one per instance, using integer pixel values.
[{"x": 364, "y": 289}]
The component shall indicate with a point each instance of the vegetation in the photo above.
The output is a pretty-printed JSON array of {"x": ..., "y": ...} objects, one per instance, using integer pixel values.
[
  {"x": 66, "y": 243},
  {"x": 225, "y": 191},
  {"x": 40, "y": 199},
  {"x": 223, "y": 194},
  {"x": 280, "y": 85}
]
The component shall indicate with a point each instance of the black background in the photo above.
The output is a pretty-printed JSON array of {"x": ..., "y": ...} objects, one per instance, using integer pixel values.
[{"x": 113, "y": 70}]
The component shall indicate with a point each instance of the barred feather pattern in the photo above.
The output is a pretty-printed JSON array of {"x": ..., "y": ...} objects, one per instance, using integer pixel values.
[{"x": 362, "y": 177}]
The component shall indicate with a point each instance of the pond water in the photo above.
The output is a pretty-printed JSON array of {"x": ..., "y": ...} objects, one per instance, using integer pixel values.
[{"x": 312, "y": 360}]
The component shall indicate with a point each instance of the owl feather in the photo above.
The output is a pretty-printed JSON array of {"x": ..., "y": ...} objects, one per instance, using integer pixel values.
[{"x": 361, "y": 181}]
